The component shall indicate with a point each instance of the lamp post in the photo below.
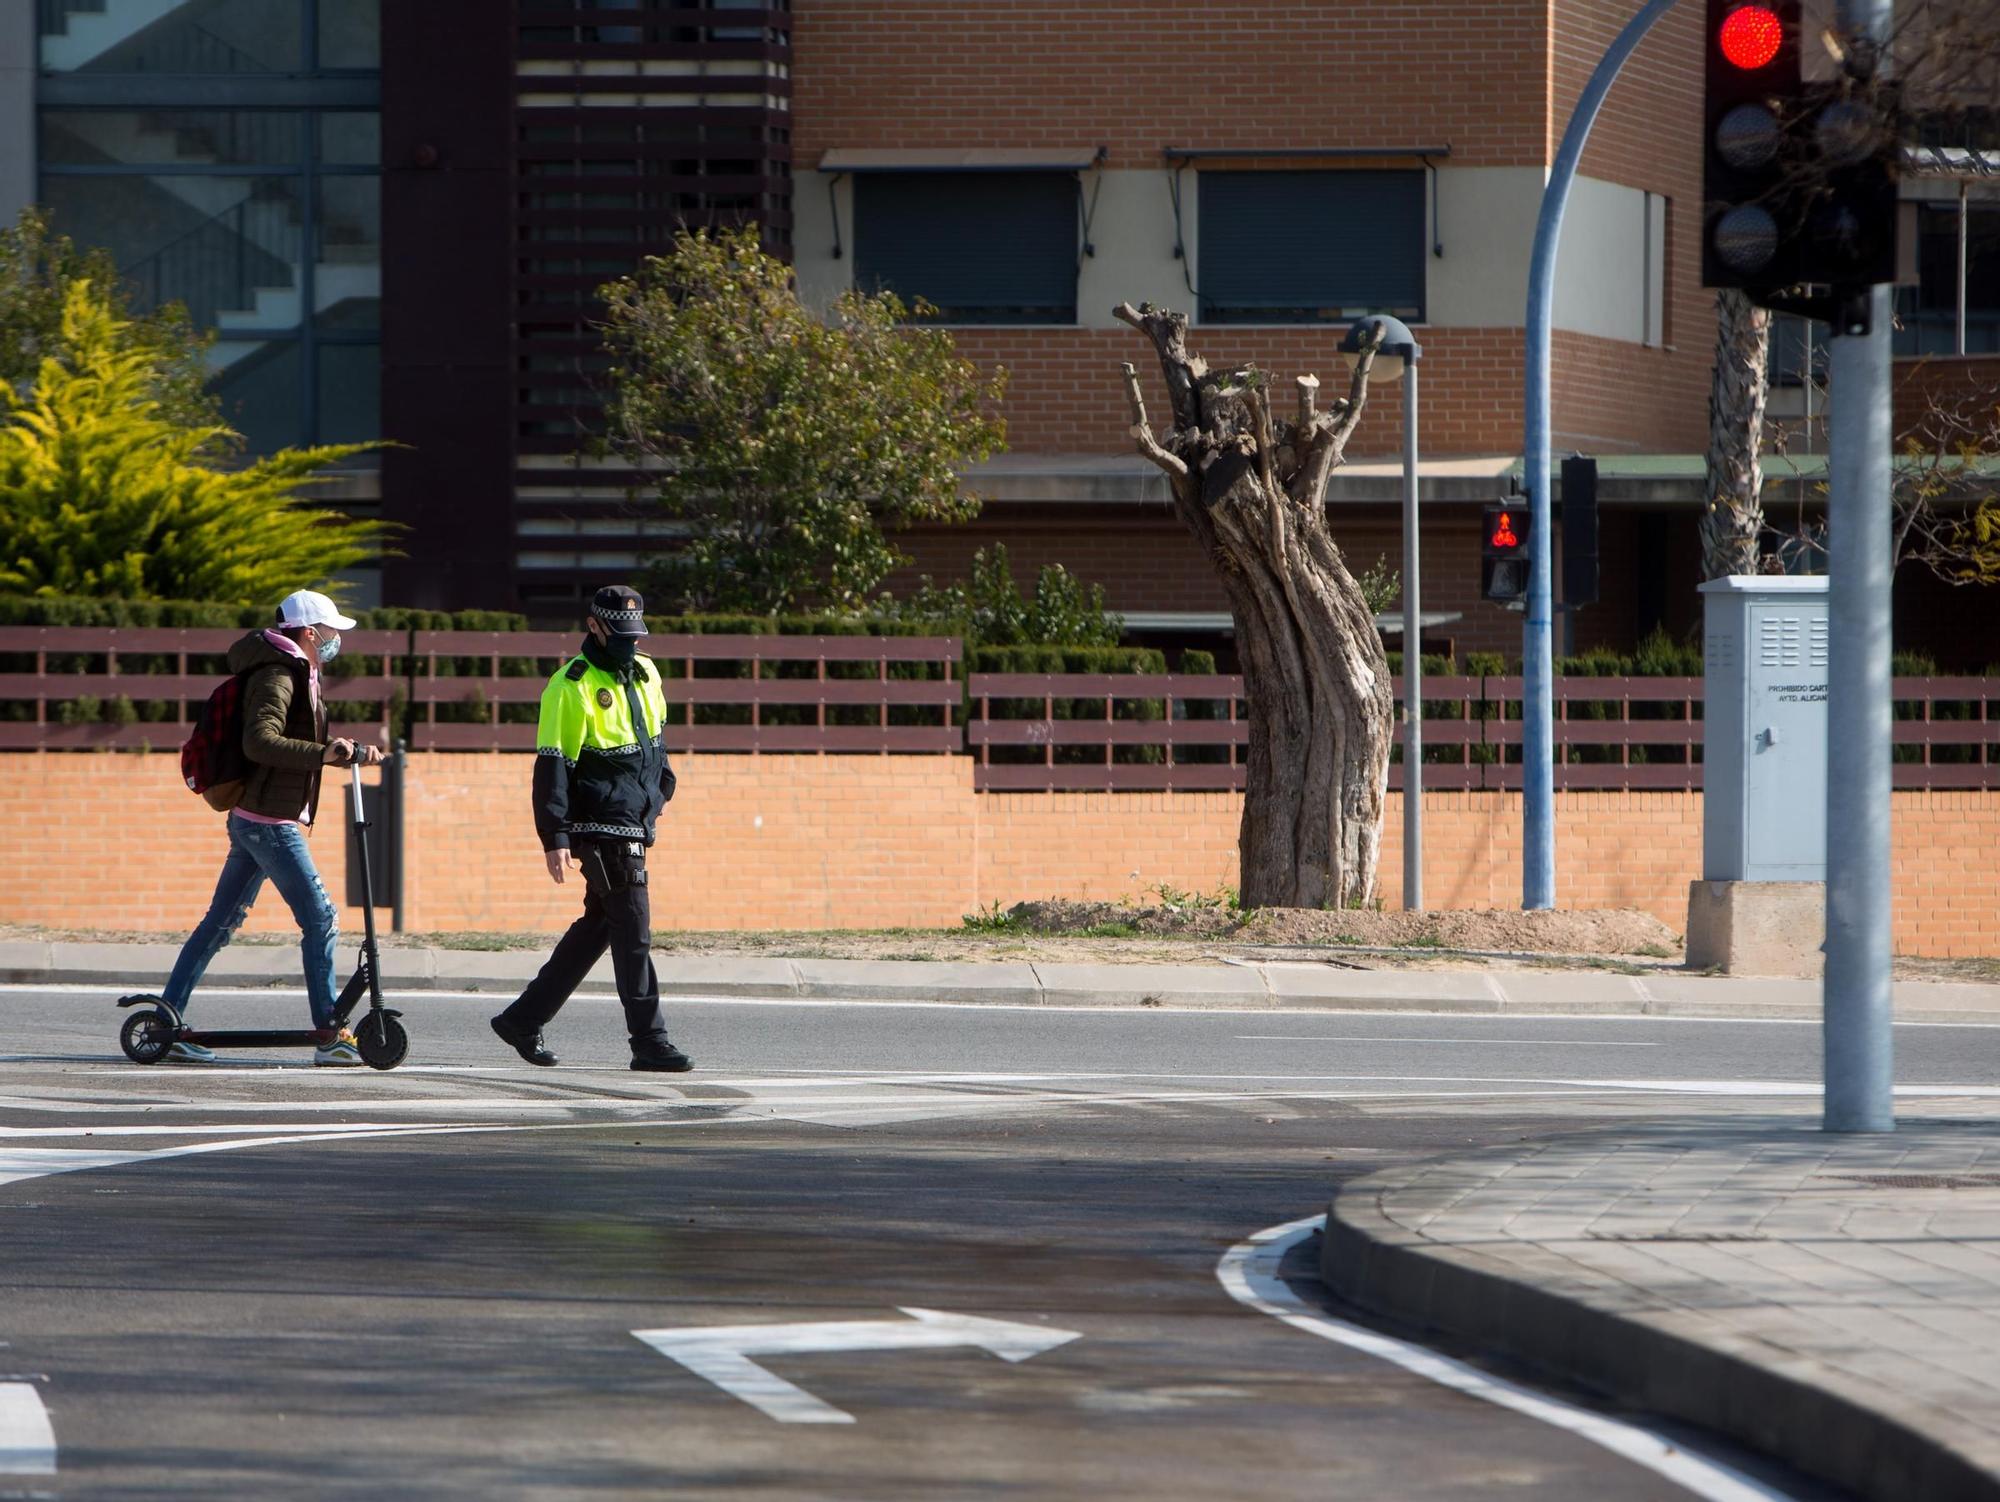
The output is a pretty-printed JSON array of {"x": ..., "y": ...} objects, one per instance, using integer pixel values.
[{"x": 1398, "y": 348}]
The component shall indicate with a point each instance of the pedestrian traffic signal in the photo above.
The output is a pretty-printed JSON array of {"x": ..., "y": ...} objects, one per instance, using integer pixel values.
[
  {"x": 1798, "y": 178},
  {"x": 1503, "y": 564}
]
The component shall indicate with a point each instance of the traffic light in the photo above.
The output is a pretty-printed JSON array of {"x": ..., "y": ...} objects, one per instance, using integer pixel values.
[
  {"x": 1749, "y": 235},
  {"x": 1579, "y": 523},
  {"x": 1798, "y": 178},
  {"x": 1503, "y": 563}
]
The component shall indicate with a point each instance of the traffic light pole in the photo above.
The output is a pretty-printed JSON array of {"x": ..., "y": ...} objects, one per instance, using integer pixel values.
[
  {"x": 1859, "y": 1047},
  {"x": 1538, "y": 772},
  {"x": 1413, "y": 662}
]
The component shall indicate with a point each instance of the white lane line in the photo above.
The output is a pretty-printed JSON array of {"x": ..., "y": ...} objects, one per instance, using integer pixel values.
[
  {"x": 1483, "y": 1042},
  {"x": 27, "y": 1440},
  {"x": 1249, "y": 1272},
  {"x": 353, "y": 1128}
]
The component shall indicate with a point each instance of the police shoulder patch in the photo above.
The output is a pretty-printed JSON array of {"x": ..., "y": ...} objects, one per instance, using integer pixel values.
[
  {"x": 604, "y": 698},
  {"x": 577, "y": 669}
]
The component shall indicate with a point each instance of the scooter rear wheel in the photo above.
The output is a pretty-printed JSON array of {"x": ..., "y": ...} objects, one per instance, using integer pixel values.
[
  {"x": 146, "y": 1037},
  {"x": 382, "y": 1040}
]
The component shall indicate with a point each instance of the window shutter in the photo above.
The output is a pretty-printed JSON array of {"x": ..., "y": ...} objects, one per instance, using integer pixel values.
[
  {"x": 984, "y": 247},
  {"x": 1306, "y": 247}
]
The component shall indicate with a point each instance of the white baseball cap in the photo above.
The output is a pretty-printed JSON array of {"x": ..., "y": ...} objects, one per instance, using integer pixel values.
[{"x": 308, "y": 607}]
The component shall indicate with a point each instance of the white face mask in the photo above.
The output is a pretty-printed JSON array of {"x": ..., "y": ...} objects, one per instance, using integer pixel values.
[{"x": 329, "y": 648}]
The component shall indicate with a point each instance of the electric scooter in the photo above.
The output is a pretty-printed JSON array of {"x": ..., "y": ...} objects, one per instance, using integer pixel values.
[{"x": 148, "y": 1036}]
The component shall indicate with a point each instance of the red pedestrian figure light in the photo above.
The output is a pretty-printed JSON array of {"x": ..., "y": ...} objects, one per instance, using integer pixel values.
[{"x": 1503, "y": 532}]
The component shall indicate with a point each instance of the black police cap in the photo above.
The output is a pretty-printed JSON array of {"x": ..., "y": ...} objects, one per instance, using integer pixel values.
[{"x": 622, "y": 610}]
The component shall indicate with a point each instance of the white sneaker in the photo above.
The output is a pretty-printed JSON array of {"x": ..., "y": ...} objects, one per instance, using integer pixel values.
[
  {"x": 340, "y": 1053},
  {"x": 190, "y": 1053}
]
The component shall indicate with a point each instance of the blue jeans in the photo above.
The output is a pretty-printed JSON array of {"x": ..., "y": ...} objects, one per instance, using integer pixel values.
[{"x": 255, "y": 852}]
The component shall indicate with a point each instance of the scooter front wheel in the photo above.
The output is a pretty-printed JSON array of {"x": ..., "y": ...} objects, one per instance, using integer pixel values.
[
  {"x": 382, "y": 1040},
  {"x": 146, "y": 1037}
]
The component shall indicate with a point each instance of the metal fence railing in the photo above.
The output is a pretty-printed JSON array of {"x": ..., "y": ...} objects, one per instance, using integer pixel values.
[{"x": 89, "y": 688}]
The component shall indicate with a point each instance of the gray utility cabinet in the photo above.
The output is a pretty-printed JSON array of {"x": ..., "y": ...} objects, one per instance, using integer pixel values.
[{"x": 1764, "y": 731}]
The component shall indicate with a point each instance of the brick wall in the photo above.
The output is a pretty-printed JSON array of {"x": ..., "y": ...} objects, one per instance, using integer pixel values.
[
  {"x": 1066, "y": 394},
  {"x": 855, "y": 842},
  {"x": 1258, "y": 75}
]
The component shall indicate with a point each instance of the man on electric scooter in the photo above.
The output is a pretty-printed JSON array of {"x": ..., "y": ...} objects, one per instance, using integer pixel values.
[
  {"x": 601, "y": 779},
  {"x": 285, "y": 741}
]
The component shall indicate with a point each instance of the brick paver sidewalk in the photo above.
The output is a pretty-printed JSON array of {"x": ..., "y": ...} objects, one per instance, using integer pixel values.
[{"x": 1833, "y": 1300}]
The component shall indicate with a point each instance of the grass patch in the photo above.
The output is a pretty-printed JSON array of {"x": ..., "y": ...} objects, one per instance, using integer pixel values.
[
  {"x": 990, "y": 921},
  {"x": 480, "y": 941},
  {"x": 1655, "y": 951}
]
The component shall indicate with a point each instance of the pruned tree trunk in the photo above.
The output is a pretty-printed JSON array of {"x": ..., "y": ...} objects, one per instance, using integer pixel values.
[
  {"x": 1733, "y": 519},
  {"x": 1250, "y": 484}
]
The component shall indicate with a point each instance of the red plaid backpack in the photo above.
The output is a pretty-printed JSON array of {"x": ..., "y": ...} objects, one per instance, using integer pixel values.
[{"x": 212, "y": 759}]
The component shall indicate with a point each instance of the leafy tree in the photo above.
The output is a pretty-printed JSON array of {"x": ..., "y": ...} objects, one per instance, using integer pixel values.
[
  {"x": 37, "y": 269},
  {"x": 989, "y": 610},
  {"x": 786, "y": 439},
  {"x": 103, "y": 493}
]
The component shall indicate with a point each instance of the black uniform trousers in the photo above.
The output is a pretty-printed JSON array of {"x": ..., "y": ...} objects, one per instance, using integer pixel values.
[{"x": 617, "y": 915}]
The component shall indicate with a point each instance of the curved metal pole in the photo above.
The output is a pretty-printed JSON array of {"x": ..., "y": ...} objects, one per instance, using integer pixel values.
[{"x": 1538, "y": 843}]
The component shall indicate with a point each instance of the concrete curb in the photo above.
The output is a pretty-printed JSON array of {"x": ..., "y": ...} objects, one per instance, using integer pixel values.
[
  {"x": 1705, "y": 1377},
  {"x": 1237, "y": 985}
]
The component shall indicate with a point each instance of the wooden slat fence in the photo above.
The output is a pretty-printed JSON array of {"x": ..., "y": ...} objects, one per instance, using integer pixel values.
[
  {"x": 91, "y": 688},
  {"x": 87, "y": 688},
  {"x": 808, "y": 694},
  {"x": 1080, "y": 732}
]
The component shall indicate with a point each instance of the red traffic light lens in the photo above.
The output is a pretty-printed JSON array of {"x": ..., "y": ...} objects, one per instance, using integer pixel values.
[
  {"x": 1751, "y": 35},
  {"x": 1504, "y": 535}
]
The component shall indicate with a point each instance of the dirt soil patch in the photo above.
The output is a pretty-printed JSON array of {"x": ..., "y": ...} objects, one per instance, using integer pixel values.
[{"x": 1611, "y": 931}]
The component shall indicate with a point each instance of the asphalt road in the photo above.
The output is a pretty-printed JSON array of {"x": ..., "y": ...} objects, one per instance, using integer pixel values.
[{"x": 264, "y": 1280}]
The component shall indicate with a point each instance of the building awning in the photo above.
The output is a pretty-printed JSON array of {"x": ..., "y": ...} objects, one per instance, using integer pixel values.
[
  {"x": 930, "y": 159},
  {"x": 1960, "y": 162}
]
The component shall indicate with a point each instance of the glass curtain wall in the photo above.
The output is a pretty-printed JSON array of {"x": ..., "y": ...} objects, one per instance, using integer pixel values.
[{"x": 228, "y": 154}]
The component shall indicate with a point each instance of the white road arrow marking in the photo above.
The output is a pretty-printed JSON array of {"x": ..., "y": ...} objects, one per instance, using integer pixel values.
[
  {"x": 27, "y": 1442},
  {"x": 722, "y": 1353}
]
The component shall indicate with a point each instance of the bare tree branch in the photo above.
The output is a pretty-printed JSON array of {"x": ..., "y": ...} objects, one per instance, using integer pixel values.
[
  {"x": 1260, "y": 416},
  {"x": 1308, "y": 388},
  {"x": 1142, "y": 430}
]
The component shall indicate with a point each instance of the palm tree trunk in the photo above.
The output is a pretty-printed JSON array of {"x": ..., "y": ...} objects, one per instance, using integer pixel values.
[{"x": 1733, "y": 518}]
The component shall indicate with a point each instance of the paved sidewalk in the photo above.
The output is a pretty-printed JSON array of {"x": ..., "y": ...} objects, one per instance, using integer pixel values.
[
  {"x": 1251, "y": 986},
  {"x": 1832, "y": 1300}
]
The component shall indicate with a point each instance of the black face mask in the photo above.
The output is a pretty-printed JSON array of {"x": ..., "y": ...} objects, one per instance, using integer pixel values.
[{"x": 619, "y": 650}]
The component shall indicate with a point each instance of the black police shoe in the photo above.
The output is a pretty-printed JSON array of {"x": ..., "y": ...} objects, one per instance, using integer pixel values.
[
  {"x": 528, "y": 1045},
  {"x": 659, "y": 1056}
]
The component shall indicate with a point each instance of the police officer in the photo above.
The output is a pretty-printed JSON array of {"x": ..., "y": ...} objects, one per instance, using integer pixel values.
[{"x": 601, "y": 777}]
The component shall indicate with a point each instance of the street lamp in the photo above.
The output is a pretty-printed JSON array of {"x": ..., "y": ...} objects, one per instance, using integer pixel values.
[{"x": 1397, "y": 349}]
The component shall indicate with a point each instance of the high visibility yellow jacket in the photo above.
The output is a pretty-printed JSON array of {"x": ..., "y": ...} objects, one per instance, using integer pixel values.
[{"x": 601, "y": 767}]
